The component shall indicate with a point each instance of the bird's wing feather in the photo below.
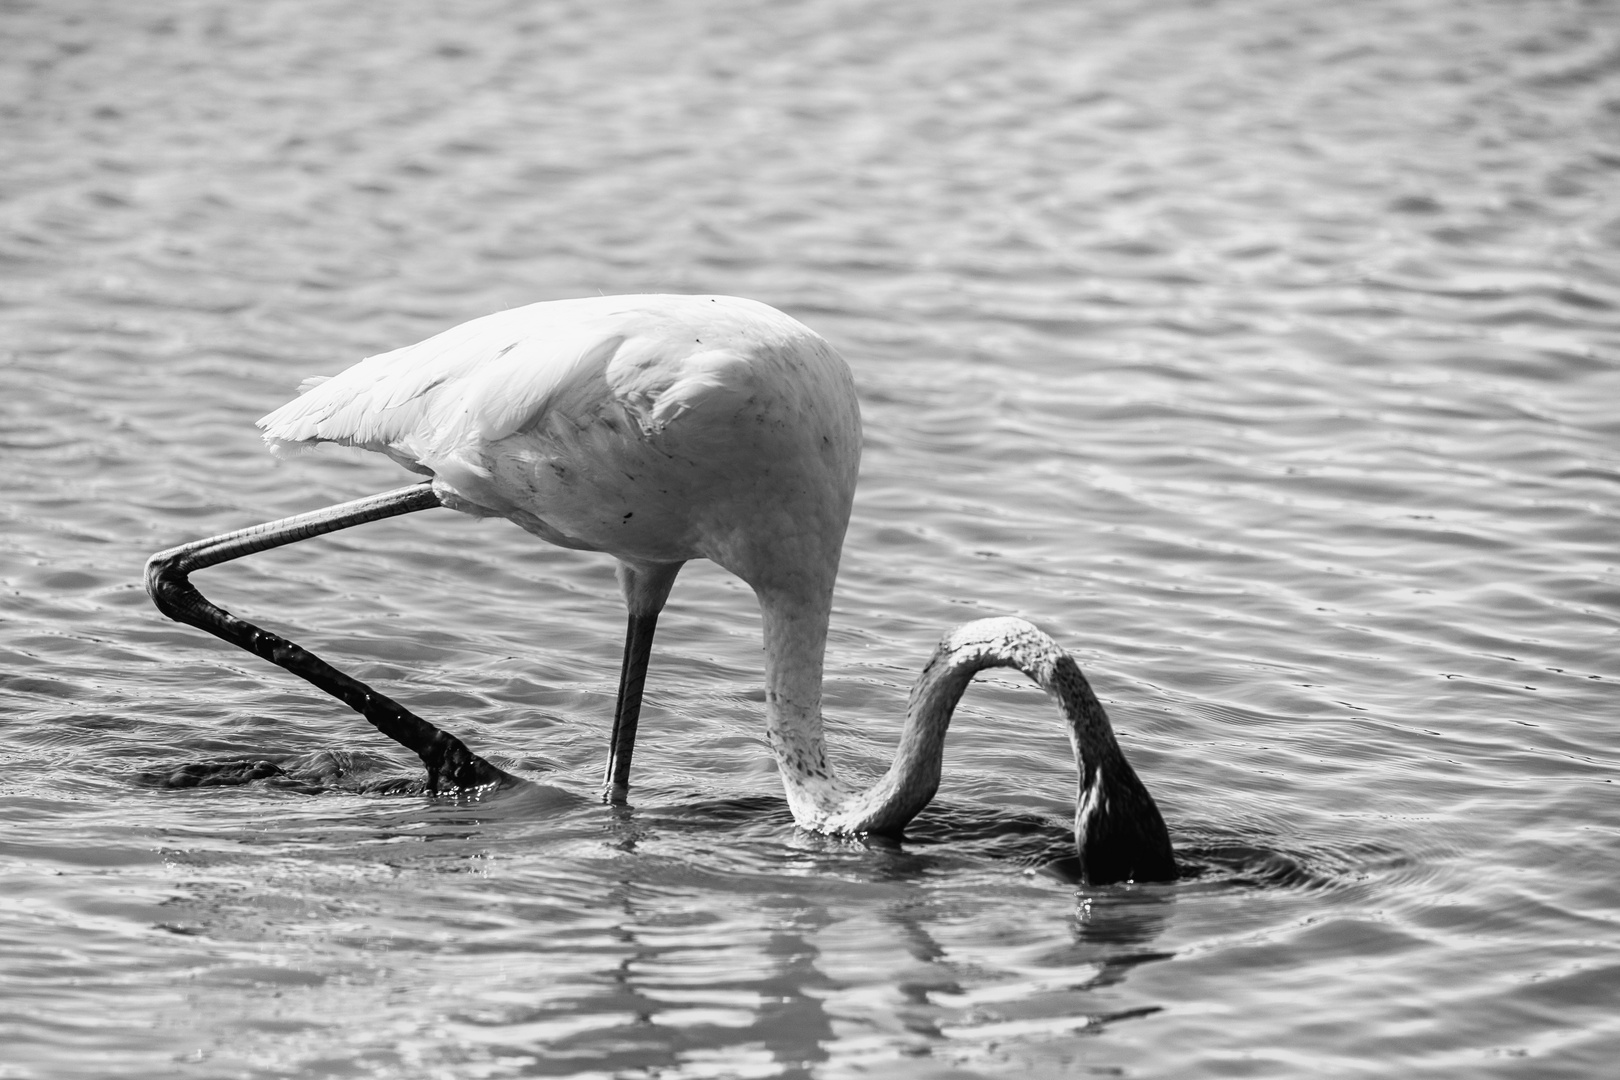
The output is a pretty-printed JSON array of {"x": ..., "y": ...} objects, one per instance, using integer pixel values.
[
  {"x": 437, "y": 406},
  {"x": 476, "y": 382}
]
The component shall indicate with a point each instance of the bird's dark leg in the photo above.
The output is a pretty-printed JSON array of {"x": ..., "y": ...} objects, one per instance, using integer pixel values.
[
  {"x": 450, "y": 764},
  {"x": 638, "y": 639},
  {"x": 645, "y": 589}
]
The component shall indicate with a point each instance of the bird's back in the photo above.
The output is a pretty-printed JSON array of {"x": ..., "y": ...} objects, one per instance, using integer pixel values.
[{"x": 573, "y": 416}]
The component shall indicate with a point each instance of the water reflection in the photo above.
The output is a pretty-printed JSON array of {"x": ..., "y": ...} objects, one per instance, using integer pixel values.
[
  {"x": 790, "y": 975},
  {"x": 674, "y": 996},
  {"x": 1129, "y": 917}
]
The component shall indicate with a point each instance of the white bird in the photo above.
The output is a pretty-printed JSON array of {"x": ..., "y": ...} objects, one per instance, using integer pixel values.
[{"x": 661, "y": 429}]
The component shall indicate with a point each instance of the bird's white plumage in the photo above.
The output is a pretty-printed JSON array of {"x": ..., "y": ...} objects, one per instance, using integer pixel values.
[
  {"x": 485, "y": 380},
  {"x": 658, "y": 429},
  {"x": 567, "y": 416}
]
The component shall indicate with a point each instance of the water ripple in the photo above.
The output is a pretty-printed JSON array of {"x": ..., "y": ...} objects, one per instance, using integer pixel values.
[{"x": 1265, "y": 354}]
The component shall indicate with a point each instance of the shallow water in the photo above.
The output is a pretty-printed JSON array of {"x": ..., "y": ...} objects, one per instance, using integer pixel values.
[{"x": 1267, "y": 354}]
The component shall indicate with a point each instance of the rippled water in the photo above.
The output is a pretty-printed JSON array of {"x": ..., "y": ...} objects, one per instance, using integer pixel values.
[{"x": 1266, "y": 353}]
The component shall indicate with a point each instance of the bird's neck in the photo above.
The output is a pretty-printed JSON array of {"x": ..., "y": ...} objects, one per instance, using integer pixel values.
[
  {"x": 1118, "y": 831},
  {"x": 795, "y": 632}
]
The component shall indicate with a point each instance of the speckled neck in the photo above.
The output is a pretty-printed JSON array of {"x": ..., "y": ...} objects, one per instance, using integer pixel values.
[{"x": 795, "y": 631}]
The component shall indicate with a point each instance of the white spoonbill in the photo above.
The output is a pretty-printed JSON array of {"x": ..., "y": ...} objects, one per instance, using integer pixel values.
[{"x": 660, "y": 429}]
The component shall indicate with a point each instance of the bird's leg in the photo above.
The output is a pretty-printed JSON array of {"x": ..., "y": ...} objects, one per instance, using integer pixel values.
[
  {"x": 450, "y": 764},
  {"x": 645, "y": 590},
  {"x": 627, "y": 709}
]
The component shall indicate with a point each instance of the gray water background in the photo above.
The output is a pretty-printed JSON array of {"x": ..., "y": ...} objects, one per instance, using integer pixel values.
[{"x": 1266, "y": 353}]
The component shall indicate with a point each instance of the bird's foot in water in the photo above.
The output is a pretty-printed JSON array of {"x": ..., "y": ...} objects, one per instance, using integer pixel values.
[
  {"x": 210, "y": 773},
  {"x": 323, "y": 770}
]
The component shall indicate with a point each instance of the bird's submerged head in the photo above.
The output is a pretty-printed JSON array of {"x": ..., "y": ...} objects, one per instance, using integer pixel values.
[{"x": 1118, "y": 831}]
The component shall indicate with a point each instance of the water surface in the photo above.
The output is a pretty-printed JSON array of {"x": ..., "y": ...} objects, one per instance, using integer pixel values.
[{"x": 1265, "y": 353}]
